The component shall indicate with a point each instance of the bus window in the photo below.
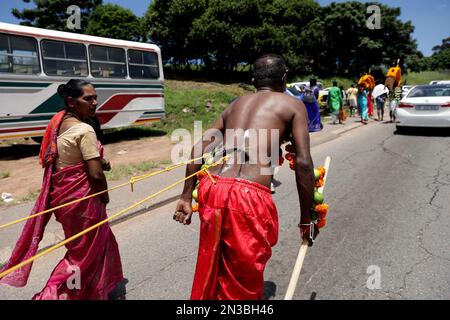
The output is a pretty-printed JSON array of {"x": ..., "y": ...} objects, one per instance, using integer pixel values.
[
  {"x": 143, "y": 64},
  {"x": 64, "y": 59},
  {"x": 107, "y": 62},
  {"x": 18, "y": 55}
]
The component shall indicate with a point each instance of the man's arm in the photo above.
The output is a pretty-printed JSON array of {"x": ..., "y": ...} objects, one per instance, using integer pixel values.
[
  {"x": 184, "y": 209},
  {"x": 304, "y": 169}
]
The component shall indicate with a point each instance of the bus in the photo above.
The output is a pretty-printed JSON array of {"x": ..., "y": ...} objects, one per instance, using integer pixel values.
[{"x": 128, "y": 77}]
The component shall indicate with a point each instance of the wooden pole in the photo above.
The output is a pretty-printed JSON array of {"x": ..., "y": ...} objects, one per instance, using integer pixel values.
[{"x": 304, "y": 247}]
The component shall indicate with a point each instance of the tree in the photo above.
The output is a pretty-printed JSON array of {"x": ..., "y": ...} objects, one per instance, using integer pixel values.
[
  {"x": 169, "y": 23},
  {"x": 227, "y": 31},
  {"x": 330, "y": 40},
  {"x": 339, "y": 42},
  {"x": 114, "y": 21},
  {"x": 440, "y": 59},
  {"x": 231, "y": 32},
  {"x": 416, "y": 62},
  {"x": 51, "y": 14},
  {"x": 444, "y": 46}
]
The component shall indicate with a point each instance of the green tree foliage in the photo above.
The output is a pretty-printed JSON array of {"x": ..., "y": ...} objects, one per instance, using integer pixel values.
[
  {"x": 333, "y": 40},
  {"x": 114, "y": 21},
  {"x": 169, "y": 23},
  {"x": 51, "y": 14},
  {"x": 440, "y": 60},
  {"x": 339, "y": 41},
  {"x": 330, "y": 40}
]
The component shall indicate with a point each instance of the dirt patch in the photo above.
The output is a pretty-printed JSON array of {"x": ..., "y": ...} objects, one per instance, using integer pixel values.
[{"x": 20, "y": 160}]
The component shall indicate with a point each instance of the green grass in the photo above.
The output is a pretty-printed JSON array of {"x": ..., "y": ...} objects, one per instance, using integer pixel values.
[
  {"x": 183, "y": 106},
  {"x": 126, "y": 171},
  {"x": 30, "y": 196},
  {"x": 425, "y": 77},
  {"x": 4, "y": 174}
]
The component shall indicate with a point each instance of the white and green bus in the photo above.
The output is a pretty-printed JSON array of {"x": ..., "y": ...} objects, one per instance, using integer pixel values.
[{"x": 128, "y": 77}]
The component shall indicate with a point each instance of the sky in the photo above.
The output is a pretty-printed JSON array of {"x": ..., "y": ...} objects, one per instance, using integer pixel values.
[{"x": 430, "y": 17}]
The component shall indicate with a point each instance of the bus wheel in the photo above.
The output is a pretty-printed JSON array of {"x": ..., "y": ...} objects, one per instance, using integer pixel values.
[{"x": 37, "y": 139}]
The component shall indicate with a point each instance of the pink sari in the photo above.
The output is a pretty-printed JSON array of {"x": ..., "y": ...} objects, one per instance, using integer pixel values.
[{"x": 94, "y": 256}]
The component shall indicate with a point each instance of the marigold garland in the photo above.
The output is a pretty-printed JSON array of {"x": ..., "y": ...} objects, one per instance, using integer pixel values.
[{"x": 321, "y": 223}]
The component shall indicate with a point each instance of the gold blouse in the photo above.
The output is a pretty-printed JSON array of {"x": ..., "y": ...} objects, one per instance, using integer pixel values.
[{"x": 76, "y": 144}]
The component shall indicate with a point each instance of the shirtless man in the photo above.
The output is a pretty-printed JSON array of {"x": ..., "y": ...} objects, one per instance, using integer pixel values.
[{"x": 239, "y": 221}]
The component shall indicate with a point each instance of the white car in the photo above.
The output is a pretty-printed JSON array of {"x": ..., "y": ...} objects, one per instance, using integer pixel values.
[
  {"x": 440, "y": 82},
  {"x": 305, "y": 84},
  {"x": 425, "y": 106},
  {"x": 405, "y": 90}
]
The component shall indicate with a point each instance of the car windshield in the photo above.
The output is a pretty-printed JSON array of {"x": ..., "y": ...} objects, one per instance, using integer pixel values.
[{"x": 430, "y": 91}]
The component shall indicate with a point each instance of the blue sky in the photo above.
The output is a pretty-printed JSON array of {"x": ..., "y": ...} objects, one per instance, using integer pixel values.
[{"x": 430, "y": 17}]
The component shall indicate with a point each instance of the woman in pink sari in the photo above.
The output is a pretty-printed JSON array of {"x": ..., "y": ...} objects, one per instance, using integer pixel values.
[{"x": 73, "y": 163}]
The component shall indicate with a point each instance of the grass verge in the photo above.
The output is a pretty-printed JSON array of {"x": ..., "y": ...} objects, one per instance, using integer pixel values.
[
  {"x": 128, "y": 170},
  {"x": 186, "y": 102},
  {"x": 5, "y": 174}
]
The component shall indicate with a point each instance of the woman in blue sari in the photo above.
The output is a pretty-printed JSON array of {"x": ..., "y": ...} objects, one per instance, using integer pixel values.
[
  {"x": 310, "y": 99},
  {"x": 362, "y": 104}
]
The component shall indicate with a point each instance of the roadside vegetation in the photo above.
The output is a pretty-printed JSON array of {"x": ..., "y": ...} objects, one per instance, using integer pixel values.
[
  {"x": 425, "y": 77},
  {"x": 4, "y": 174},
  {"x": 126, "y": 171},
  {"x": 188, "y": 101}
]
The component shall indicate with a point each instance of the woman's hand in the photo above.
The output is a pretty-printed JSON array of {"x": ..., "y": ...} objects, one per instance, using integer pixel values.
[{"x": 106, "y": 165}]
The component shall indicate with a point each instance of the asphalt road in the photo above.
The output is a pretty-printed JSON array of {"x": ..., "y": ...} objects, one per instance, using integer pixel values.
[{"x": 387, "y": 236}]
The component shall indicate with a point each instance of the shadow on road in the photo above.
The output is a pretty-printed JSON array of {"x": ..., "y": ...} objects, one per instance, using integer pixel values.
[
  {"x": 27, "y": 148},
  {"x": 270, "y": 289},
  {"x": 131, "y": 133},
  {"x": 423, "y": 132},
  {"x": 19, "y": 151}
]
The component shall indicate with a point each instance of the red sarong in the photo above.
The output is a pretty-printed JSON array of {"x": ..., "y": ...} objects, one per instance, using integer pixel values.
[
  {"x": 239, "y": 226},
  {"x": 370, "y": 104}
]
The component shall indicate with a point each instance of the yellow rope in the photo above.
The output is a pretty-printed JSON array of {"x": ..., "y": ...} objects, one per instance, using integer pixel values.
[
  {"x": 76, "y": 236},
  {"x": 131, "y": 182}
]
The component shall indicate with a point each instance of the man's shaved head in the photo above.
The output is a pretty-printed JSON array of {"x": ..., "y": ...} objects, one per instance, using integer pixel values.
[{"x": 268, "y": 71}]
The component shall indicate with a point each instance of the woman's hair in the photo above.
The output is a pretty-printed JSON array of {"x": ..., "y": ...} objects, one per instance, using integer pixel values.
[{"x": 73, "y": 88}]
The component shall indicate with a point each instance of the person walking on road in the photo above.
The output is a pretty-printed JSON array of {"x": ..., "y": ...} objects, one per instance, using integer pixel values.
[
  {"x": 310, "y": 99},
  {"x": 335, "y": 103},
  {"x": 380, "y": 100},
  {"x": 238, "y": 218},
  {"x": 396, "y": 96},
  {"x": 352, "y": 93},
  {"x": 362, "y": 104},
  {"x": 72, "y": 158}
]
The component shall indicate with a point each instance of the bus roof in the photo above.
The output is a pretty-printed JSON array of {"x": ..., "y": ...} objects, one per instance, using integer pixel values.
[{"x": 69, "y": 36}]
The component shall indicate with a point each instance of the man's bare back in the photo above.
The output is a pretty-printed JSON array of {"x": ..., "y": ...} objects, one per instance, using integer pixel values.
[
  {"x": 263, "y": 113},
  {"x": 269, "y": 111}
]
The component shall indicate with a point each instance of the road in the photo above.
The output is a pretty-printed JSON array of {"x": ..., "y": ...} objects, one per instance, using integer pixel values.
[{"x": 388, "y": 217}]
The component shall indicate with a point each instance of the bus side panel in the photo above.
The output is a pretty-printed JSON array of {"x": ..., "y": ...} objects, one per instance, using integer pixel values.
[
  {"x": 26, "y": 107},
  {"x": 136, "y": 109}
]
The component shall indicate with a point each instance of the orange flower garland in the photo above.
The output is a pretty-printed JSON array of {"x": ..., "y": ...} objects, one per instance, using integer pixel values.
[
  {"x": 322, "y": 210},
  {"x": 321, "y": 223},
  {"x": 195, "y": 207}
]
